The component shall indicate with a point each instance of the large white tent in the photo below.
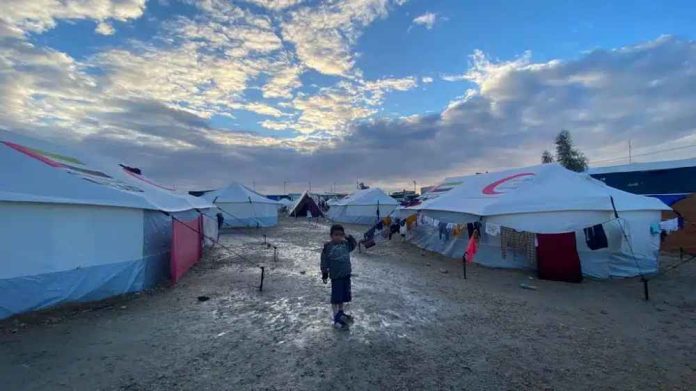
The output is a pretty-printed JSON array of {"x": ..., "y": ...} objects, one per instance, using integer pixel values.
[
  {"x": 545, "y": 199},
  {"x": 362, "y": 207},
  {"x": 243, "y": 207},
  {"x": 75, "y": 227}
]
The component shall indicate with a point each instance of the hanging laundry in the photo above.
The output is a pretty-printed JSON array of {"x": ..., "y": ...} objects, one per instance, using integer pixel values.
[
  {"x": 522, "y": 243},
  {"x": 403, "y": 229},
  {"x": 595, "y": 237},
  {"x": 655, "y": 229},
  {"x": 471, "y": 248},
  {"x": 411, "y": 220},
  {"x": 443, "y": 233},
  {"x": 670, "y": 225},
  {"x": 470, "y": 229},
  {"x": 492, "y": 229}
]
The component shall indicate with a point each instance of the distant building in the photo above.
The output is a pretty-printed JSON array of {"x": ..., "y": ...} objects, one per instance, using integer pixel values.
[
  {"x": 669, "y": 181},
  {"x": 426, "y": 189},
  {"x": 673, "y": 182},
  {"x": 404, "y": 196},
  {"x": 277, "y": 197}
]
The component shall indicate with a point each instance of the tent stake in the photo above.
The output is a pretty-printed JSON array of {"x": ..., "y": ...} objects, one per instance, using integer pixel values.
[
  {"x": 263, "y": 269},
  {"x": 275, "y": 253},
  {"x": 264, "y": 238},
  {"x": 464, "y": 266},
  {"x": 645, "y": 288}
]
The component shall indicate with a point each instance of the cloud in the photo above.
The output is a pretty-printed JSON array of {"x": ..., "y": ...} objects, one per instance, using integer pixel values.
[
  {"x": 275, "y": 5},
  {"x": 41, "y": 15},
  {"x": 427, "y": 20},
  {"x": 324, "y": 35},
  {"x": 148, "y": 103},
  {"x": 644, "y": 92},
  {"x": 104, "y": 28}
]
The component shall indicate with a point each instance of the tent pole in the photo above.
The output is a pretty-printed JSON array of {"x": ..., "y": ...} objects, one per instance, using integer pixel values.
[
  {"x": 464, "y": 265},
  {"x": 263, "y": 269},
  {"x": 645, "y": 288}
]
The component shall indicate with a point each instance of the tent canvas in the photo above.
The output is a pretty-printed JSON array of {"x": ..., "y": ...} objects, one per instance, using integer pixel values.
[
  {"x": 243, "y": 207},
  {"x": 77, "y": 227},
  {"x": 546, "y": 199},
  {"x": 362, "y": 207},
  {"x": 305, "y": 204}
]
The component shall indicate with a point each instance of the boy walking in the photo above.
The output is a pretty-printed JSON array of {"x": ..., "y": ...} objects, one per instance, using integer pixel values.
[{"x": 335, "y": 264}]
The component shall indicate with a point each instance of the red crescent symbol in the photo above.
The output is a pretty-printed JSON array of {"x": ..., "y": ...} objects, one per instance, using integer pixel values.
[{"x": 490, "y": 189}]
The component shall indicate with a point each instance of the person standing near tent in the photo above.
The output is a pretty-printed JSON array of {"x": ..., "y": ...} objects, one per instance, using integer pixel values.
[{"x": 335, "y": 264}]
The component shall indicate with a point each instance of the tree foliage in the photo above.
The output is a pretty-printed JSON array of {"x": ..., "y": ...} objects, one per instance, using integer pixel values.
[
  {"x": 546, "y": 157},
  {"x": 566, "y": 154}
]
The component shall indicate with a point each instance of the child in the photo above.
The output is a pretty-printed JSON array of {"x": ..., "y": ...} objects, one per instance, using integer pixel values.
[{"x": 335, "y": 263}]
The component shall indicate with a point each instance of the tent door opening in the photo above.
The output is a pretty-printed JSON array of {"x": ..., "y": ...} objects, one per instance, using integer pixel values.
[{"x": 557, "y": 257}]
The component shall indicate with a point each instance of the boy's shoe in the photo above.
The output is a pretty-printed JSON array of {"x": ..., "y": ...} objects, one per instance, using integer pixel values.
[
  {"x": 346, "y": 318},
  {"x": 340, "y": 326}
]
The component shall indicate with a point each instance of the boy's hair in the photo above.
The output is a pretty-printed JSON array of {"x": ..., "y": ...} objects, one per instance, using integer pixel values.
[{"x": 336, "y": 228}]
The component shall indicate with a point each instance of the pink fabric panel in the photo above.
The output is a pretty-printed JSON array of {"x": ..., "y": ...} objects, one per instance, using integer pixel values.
[{"x": 186, "y": 246}]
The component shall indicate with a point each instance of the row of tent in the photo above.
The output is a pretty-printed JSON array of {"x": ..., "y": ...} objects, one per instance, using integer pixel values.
[
  {"x": 80, "y": 228},
  {"x": 76, "y": 227}
]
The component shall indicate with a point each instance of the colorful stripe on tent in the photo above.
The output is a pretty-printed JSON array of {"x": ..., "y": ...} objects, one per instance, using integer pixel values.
[
  {"x": 48, "y": 158},
  {"x": 142, "y": 178}
]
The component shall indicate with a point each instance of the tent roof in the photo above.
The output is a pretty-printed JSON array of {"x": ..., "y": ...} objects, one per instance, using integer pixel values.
[
  {"x": 237, "y": 193},
  {"x": 37, "y": 171},
  {"x": 543, "y": 188},
  {"x": 371, "y": 196},
  {"x": 286, "y": 202},
  {"x": 650, "y": 166}
]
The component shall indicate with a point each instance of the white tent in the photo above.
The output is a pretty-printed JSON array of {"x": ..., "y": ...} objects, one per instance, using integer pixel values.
[
  {"x": 286, "y": 203},
  {"x": 542, "y": 200},
  {"x": 78, "y": 228},
  {"x": 362, "y": 207},
  {"x": 243, "y": 207}
]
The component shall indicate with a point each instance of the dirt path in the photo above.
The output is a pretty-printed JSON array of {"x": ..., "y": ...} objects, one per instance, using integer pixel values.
[{"x": 416, "y": 328}]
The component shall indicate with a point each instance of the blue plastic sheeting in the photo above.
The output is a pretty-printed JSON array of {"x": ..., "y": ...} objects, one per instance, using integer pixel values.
[
  {"x": 250, "y": 222},
  {"x": 37, "y": 292},
  {"x": 670, "y": 199}
]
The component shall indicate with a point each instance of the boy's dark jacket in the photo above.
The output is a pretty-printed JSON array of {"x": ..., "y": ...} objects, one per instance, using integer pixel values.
[{"x": 335, "y": 258}]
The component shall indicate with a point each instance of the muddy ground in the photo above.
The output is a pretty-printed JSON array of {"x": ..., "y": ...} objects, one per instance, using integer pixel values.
[{"x": 416, "y": 328}]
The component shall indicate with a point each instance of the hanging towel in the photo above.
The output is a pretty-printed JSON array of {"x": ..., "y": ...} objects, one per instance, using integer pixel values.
[
  {"x": 670, "y": 225},
  {"x": 471, "y": 250},
  {"x": 595, "y": 237},
  {"x": 492, "y": 229}
]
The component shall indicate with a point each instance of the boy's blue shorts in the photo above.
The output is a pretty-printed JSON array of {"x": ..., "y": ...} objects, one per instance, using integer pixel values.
[{"x": 340, "y": 291}]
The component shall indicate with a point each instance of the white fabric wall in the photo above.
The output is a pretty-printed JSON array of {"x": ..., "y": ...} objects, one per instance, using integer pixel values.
[
  {"x": 551, "y": 222},
  {"x": 239, "y": 214},
  {"x": 615, "y": 261},
  {"x": 46, "y": 238},
  {"x": 368, "y": 210}
]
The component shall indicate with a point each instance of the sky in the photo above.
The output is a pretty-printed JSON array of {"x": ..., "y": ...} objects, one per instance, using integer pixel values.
[{"x": 200, "y": 93}]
